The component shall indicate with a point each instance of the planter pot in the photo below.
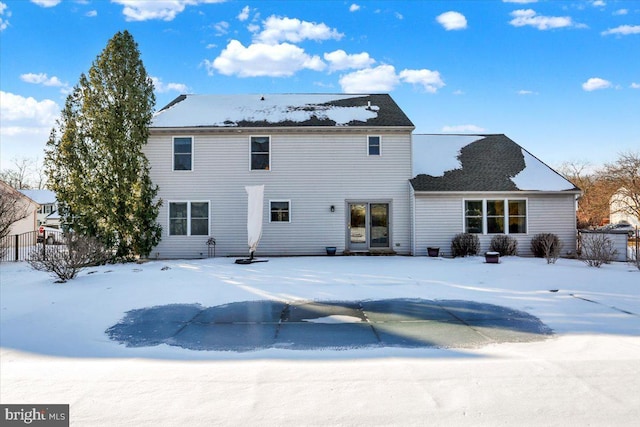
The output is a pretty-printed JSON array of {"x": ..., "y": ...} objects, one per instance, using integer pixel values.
[
  {"x": 331, "y": 250},
  {"x": 433, "y": 252},
  {"x": 492, "y": 257}
]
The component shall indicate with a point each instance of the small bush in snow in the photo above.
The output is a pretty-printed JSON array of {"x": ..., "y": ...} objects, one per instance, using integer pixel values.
[
  {"x": 67, "y": 261},
  {"x": 546, "y": 245},
  {"x": 464, "y": 244},
  {"x": 505, "y": 245},
  {"x": 597, "y": 249}
]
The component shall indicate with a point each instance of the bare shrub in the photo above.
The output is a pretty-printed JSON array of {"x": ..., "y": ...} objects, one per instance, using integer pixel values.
[
  {"x": 464, "y": 244},
  {"x": 66, "y": 261},
  {"x": 503, "y": 244},
  {"x": 597, "y": 249},
  {"x": 546, "y": 245}
]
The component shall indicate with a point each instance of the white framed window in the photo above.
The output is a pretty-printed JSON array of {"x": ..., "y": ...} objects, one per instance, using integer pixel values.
[
  {"x": 279, "y": 210},
  {"x": 260, "y": 153},
  {"x": 374, "y": 145},
  {"x": 189, "y": 218},
  {"x": 182, "y": 153},
  {"x": 495, "y": 216}
]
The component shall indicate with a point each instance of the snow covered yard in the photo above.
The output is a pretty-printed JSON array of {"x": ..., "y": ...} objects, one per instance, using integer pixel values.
[{"x": 55, "y": 350}]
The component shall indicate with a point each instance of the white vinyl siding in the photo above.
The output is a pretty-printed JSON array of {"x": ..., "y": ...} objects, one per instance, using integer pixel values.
[
  {"x": 439, "y": 217},
  {"x": 313, "y": 170}
]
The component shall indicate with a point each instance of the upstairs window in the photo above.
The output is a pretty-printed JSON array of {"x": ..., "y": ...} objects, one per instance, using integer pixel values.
[
  {"x": 182, "y": 153},
  {"x": 374, "y": 145},
  {"x": 260, "y": 153},
  {"x": 280, "y": 211}
]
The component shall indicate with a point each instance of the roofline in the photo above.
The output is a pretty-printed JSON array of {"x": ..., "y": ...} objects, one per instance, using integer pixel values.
[
  {"x": 283, "y": 129},
  {"x": 521, "y": 192}
]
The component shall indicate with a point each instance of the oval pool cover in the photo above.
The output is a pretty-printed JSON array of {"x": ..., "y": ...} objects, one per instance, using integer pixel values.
[{"x": 256, "y": 325}]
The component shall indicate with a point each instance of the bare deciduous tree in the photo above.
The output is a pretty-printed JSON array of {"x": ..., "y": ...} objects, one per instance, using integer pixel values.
[
  {"x": 624, "y": 176},
  {"x": 12, "y": 208}
]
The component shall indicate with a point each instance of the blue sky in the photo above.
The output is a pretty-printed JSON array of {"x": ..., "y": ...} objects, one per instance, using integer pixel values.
[{"x": 561, "y": 78}]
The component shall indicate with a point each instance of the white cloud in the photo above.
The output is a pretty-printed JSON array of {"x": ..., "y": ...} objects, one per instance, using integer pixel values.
[
  {"x": 25, "y": 126},
  {"x": 623, "y": 30},
  {"x": 398, "y": 15},
  {"x": 522, "y": 17},
  {"x": 244, "y": 14},
  {"x": 635, "y": 85},
  {"x": 598, "y": 3},
  {"x": 340, "y": 60},
  {"x": 463, "y": 129},
  {"x": 354, "y": 7},
  {"x": 380, "y": 79},
  {"x": 161, "y": 87},
  {"x": 46, "y": 3},
  {"x": 294, "y": 30},
  {"x": 4, "y": 23},
  {"x": 260, "y": 59},
  {"x": 526, "y": 92},
  {"x": 620, "y": 12},
  {"x": 520, "y": 1},
  {"x": 221, "y": 28},
  {"x": 429, "y": 80},
  {"x": 596, "y": 83},
  {"x": 452, "y": 21},
  {"x": 42, "y": 79},
  {"x": 458, "y": 92},
  {"x": 166, "y": 10},
  {"x": 92, "y": 13}
]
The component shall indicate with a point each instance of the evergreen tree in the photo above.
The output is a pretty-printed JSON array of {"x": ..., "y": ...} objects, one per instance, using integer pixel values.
[{"x": 94, "y": 157}]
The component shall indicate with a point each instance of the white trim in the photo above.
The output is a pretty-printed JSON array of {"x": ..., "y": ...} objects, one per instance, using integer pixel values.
[
  {"x": 289, "y": 209},
  {"x": 484, "y": 214},
  {"x": 379, "y": 145},
  {"x": 251, "y": 153},
  {"x": 188, "y": 202},
  {"x": 173, "y": 152}
]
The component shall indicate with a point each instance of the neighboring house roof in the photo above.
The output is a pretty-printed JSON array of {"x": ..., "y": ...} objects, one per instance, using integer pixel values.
[
  {"x": 43, "y": 197},
  {"x": 480, "y": 163},
  {"x": 281, "y": 110}
]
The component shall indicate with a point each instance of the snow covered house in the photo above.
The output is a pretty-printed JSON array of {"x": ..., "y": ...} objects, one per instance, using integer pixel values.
[
  {"x": 335, "y": 167},
  {"x": 340, "y": 171},
  {"x": 48, "y": 212},
  {"x": 486, "y": 185}
]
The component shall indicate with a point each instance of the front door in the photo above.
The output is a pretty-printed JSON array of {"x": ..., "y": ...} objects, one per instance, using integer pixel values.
[{"x": 368, "y": 226}]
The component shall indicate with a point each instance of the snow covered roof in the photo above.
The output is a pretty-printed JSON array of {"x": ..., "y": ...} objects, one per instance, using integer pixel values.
[
  {"x": 281, "y": 110},
  {"x": 42, "y": 197},
  {"x": 480, "y": 163}
]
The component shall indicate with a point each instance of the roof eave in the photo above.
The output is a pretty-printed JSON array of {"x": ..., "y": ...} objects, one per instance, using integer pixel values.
[{"x": 263, "y": 129}]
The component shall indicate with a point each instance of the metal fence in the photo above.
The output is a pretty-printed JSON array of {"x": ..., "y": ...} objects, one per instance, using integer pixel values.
[{"x": 18, "y": 247}]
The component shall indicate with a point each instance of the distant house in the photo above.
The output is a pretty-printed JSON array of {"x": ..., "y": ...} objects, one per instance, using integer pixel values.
[
  {"x": 620, "y": 209},
  {"x": 343, "y": 171},
  {"x": 47, "y": 214},
  {"x": 26, "y": 205},
  {"x": 487, "y": 185}
]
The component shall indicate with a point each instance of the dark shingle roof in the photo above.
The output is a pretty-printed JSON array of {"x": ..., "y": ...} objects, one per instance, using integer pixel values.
[
  {"x": 492, "y": 163},
  {"x": 281, "y": 110}
]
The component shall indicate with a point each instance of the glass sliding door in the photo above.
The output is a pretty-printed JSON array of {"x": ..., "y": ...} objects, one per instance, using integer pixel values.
[
  {"x": 379, "y": 225},
  {"x": 357, "y": 226},
  {"x": 368, "y": 226}
]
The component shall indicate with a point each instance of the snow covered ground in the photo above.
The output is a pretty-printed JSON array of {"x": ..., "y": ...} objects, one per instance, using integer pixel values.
[{"x": 54, "y": 348}]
